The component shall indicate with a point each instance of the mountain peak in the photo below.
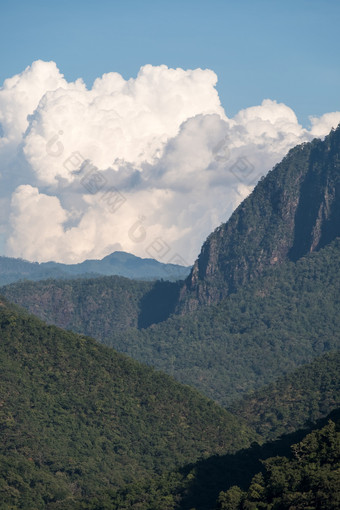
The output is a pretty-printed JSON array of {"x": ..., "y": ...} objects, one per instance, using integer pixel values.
[{"x": 293, "y": 211}]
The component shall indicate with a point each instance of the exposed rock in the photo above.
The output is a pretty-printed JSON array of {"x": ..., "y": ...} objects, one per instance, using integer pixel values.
[{"x": 293, "y": 211}]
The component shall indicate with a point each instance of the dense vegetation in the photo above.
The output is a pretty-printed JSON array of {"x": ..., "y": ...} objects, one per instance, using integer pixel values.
[
  {"x": 309, "y": 479},
  {"x": 96, "y": 306},
  {"x": 78, "y": 419},
  {"x": 301, "y": 397},
  {"x": 198, "y": 486}
]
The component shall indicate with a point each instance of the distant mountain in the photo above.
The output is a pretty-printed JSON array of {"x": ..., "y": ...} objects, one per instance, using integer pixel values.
[
  {"x": 79, "y": 421},
  {"x": 293, "y": 211},
  {"x": 118, "y": 263}
]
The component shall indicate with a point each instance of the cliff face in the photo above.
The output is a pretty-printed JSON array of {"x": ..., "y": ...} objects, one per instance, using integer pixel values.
[{"x": 294, "y": 210}]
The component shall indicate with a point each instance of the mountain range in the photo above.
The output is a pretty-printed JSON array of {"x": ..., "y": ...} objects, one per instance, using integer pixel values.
[
  {"x": 254, "y": 328},
  {"x": 117, "y": 263}
]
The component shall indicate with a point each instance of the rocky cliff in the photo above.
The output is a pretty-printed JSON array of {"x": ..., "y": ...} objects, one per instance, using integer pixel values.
[{"x": 294, "y": 210}]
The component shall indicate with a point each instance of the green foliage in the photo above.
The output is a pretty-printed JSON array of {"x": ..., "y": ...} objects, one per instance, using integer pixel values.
[
  {"x": 79, "y": 420},
  {"x": 96, "y": 306},
  {"x": 300, "y": 397},
  {"x": 309, "y": 479}
]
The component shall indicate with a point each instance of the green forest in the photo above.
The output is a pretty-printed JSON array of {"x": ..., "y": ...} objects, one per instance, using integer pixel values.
[{"x": 85, "y": 418}]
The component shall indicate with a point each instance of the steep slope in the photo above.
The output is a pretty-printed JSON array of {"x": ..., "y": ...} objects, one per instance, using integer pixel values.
[
  {"x": 293, "y": 211},
  {"x": 301, "y": 397},
  {"x": 78, "y": 420},
  {"x": 118, "y": 263},
  {"x": 96, "y": 306}
]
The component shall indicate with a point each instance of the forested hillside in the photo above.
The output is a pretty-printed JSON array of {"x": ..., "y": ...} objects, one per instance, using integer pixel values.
[
  {"x": 78, "y": 419},
  {"x": 96, "y": 306},
  {"x": 273, "y": 325},
  {"x": 293, "y": 401},
  {"x": 282, "y": 320},
  {"x": 227, "y": 481},
  {"x": 308, "y": 479}
]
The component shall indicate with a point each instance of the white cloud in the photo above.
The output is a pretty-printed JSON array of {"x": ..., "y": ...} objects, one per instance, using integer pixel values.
[
  {"x": 37, "y": 222},
  {"x": 323, "y": 124},
  {"x": 149, "y": 165}
]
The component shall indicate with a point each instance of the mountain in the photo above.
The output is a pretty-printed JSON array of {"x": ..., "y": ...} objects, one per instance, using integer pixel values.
[
  {"x": 118, "y": 263},
  {"x": 84, "y": 427},
  {"x": 268, "y": 328},
  {"x": 280, "y": 313},
  {"x": 299, "y": 398},
  {"x": 293, "y": 211},
  {"x": 79, "y": 421}
]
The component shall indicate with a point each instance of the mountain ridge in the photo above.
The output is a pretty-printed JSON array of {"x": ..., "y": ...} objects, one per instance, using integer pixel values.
[
  {"x": 292, "y": 211},
  {"x": 117, "y": 263}
]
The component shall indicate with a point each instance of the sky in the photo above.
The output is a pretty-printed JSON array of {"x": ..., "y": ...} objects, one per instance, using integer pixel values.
[{"x": 141, "y": 125}]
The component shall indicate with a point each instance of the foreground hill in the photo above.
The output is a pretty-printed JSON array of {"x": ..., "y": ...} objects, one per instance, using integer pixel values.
[
  {"x": 118, "y": 263},
  {"x": 293, "y": 211},
  {"x": 78, "y": 419},
  {"x": 302, "y": 468}
]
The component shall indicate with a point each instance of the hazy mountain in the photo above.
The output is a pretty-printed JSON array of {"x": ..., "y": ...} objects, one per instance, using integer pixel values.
[{"x": 118, "y": 263}]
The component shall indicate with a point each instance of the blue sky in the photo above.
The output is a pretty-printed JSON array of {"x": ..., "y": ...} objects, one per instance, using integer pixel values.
[{"x": 288, "y": 51}]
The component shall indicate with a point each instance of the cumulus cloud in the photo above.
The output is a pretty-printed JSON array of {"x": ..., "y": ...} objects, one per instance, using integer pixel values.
[{"x": 148, "y": 165}]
